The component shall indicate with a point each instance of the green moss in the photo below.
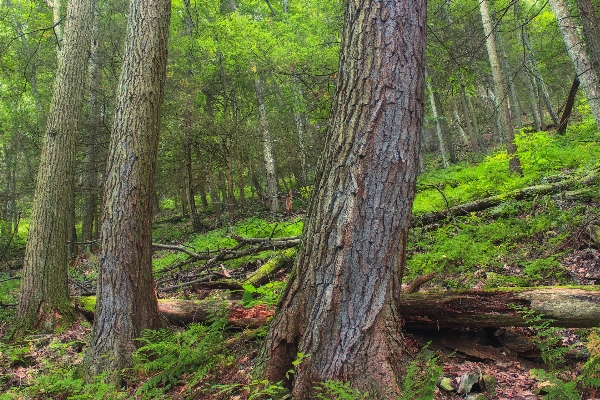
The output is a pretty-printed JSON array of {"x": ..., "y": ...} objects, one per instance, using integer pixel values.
[{"x": 87, "y": 303}]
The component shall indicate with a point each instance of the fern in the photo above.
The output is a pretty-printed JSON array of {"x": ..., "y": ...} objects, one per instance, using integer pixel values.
[
  {"x": 167, "y": 356},
  {"x": 421, "y": 376},
  {"x": 555, "y": 389}
]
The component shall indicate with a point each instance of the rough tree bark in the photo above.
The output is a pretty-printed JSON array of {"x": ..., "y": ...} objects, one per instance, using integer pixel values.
[
  {"x": 590, "y": 32},
  {"x": 341, "y": 305},
  {"x": 590, "y": 83},
  {"x": 127, "y": 301},
  {"x": 44, "y": 300}
]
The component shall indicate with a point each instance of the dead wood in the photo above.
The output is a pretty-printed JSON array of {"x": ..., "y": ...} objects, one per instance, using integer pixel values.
[
  {"x": 489, "y": 202},
  {"x": 567, "y": 306},
  {"x": 219, "y": 281},
  {"x": 185, "y": 312}
]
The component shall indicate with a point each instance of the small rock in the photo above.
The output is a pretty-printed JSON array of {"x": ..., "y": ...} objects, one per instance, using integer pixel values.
[
  {"x": 446, "y": 384},
  {"x": 489, "y": 384},
  {"x": 467, "y": 381}
]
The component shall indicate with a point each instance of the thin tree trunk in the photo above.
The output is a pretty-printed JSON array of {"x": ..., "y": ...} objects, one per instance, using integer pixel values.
[
  {"x": 439, "y": 129},
  {"x": 459, "y": 125},
  {"x": 230, "y": 185},
  {"x": 241, "y": 182},
  {"x": 534, "y": 71},
  {"x": 44, "y": 301},
  {"x": 214, "y": 197},
  {"x": 499, "y": 88},
  {"x": 94, "y": 129},
  {"x": 272, "y": 185},
  {"x": 299, "y": 119},
  {"x": 473, "y": 135},
  {"x": 564, "y": 119},
  {"x": 590, "y": 83},
  {"x": 515, "y": 107},
  {"x": 341, "y": 303},
  {"x": 127, "y": 302}
]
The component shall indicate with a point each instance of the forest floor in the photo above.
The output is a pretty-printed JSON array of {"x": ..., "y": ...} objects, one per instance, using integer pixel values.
[
  {"x": 550, "y": 239},
  {"x": 512, "y": 356}
]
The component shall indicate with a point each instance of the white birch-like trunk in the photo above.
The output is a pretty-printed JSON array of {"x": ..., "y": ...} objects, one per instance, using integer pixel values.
[
  {"x": 267, "y": 148},
  {"x": 578, "y": 54}
]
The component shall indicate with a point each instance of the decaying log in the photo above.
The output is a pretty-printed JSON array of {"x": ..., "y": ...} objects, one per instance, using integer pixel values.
[
  {"x": 567, "y": 306},
  {"x": 489, "y": 202},
  {"x": 258, "y": 278},
  {"x": 234, "y": 252},
  {"x": 185, "y": 312}
]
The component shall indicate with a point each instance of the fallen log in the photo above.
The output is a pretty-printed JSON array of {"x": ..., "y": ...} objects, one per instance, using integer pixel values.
[
  {"x": 492, "y": 201},
  {"x": 258, "y": 277},
  {"x": 184, "y": 312},
  {"x": 570, "y": 307},
  {"x": 566, "y": 306}
]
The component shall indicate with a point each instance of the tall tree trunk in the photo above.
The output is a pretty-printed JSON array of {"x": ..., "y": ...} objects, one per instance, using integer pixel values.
[
  {"x": 564, "y": 119},
  {"x": 272, "y": 185},
  {"x": 340, "y": 307},
  {"x": 189, "y": 178},
  {"x": 515, "y": 108},
  {"x": 470, "y": 126},
  {"x": 126, "y": 299},
  {"x": 214, "y": 197},
  {"x": 581, "y": 61},
  {"x": 591, "y": 32},
  {"x": 44, "y": 301},
  {"x": 441, "y": 128},
  {"x": 499, "y": 88},
  {"x": 241, "y": 182},
  {"x": 299, "y": 119},
  {"x": 230, "y": 184},
  {"x": 93, "y": 132},
  {"x": 533, "y": 70}
]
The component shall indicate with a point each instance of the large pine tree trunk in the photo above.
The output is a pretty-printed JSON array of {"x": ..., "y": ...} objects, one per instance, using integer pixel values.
[
  {"x": 44, "y": 301},
  {"x": 127, "y": 301},
  {"x": 341, "y": 305},
  {"x": 590, "y": 83}
]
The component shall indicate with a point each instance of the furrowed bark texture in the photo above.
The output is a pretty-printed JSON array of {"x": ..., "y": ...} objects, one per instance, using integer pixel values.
[
  {"x": 127, "y": 301},
  {"x": 44, "y": 302},
  {"x": 341, "y": 305}
]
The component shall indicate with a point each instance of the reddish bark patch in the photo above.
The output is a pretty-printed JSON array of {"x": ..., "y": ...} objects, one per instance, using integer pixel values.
[{"x": 252, "y": 317}]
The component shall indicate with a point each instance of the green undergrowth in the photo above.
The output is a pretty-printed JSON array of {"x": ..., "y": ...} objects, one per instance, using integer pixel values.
[
  {"x": 222, "y": 238},
  {"x": 509, "y": 245},
  {"x": 544, "y": 157}
]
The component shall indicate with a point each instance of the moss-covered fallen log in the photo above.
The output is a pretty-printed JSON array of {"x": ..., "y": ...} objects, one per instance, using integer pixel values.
[
  {"x": 572, "y": 307},
  {"x": 185, "y": 312},
  {"x": 259, "y": 277}
]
